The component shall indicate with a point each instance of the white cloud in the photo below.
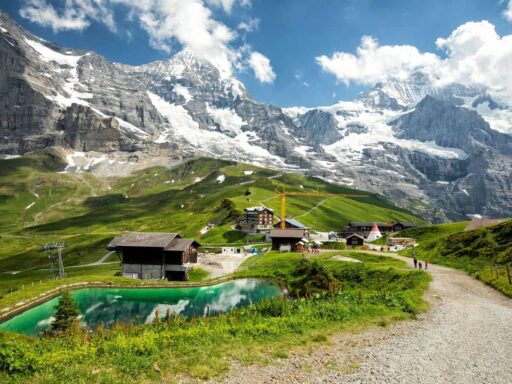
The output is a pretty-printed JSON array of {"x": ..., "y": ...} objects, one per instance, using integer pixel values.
[
  {"x": 250, "y": 25},
  {"x": 477, "y": 55},
  {"x": 260, "y": 64},
  {"x": 373, "y": 63},
  {"x": 227, "y": 5},
  {"x": 75, "y": 14},
  {"x": 189, "y": 24},
  {"x": 473, "y": 54},
  {"x": 44, "y": 14},
  {"x": 507, "y": 13}
]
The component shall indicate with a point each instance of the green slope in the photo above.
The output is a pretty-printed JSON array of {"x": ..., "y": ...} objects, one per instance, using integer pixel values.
[
  {"x": 87, "y": 211},
  {"x": 483, "y": 252}
]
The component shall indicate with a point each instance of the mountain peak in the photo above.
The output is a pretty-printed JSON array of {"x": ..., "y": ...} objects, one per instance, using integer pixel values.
[{"x": 397, "y": 93}]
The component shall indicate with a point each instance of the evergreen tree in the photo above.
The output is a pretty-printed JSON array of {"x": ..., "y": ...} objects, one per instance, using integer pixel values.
[{"x": 67, "y": 313}]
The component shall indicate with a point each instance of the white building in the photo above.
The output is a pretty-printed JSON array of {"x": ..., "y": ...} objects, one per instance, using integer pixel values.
[
  {"x": 374, "y": 234},
  {"x": 233, "y": 251}
]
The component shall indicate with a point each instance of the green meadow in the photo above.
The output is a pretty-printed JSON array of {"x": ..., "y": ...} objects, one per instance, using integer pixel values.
[
  {"x": 483, "y": 253},
  {"x": 326, "y": 297},
  {"x": 39, "y": 203}
]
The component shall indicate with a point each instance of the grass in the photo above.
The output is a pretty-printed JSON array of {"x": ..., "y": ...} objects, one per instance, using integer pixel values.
[
  {"x": 483, "y": 253},
  {"x": 87, "y": 211},
  {"x": 375, "y": 292}
]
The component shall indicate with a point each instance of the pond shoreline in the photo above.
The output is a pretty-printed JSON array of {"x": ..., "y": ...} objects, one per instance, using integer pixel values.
[{"x": 22, "y": 306}]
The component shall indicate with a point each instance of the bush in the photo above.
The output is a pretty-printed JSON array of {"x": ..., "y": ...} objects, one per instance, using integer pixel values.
[
  {"x": 16, "y": 357},
  {"x": 311, "y": 278}
]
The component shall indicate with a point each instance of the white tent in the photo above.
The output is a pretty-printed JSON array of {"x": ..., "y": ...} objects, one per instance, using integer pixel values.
[{"x": 374, "y": 234}]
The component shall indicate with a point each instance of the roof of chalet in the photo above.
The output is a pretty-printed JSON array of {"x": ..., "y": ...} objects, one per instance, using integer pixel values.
[
  {"x": 259, "y": 208},
  {"x": 293, "y": 233},
  {"x": 294, "y": 223},
  {"x": 381, "y": 224},
  {"x": 168, "y": 241},
  {"x": 179, "y": 244},
  {"x": 356, "y": 235}
]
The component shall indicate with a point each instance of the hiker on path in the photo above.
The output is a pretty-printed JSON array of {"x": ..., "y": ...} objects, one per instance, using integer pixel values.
[
  {"x": 420, "y": 265},
  {"x": 426, "y": 264},
  {"x": 415, "y": 263}
]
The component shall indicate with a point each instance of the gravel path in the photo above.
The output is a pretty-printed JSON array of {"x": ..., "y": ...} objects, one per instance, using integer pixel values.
[{"x": 465, "y": 338}]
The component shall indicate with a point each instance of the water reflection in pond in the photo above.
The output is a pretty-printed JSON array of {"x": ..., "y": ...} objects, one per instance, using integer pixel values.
[{"x": 108, "y": 305}]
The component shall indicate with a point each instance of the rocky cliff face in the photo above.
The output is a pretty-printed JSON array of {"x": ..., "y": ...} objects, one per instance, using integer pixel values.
[
  {"x": 451, "y": 126},
  {"x": 444, "y": 152}
]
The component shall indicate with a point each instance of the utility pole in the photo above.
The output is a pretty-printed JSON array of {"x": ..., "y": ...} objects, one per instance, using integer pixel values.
[{"x": 54, "y": 252}]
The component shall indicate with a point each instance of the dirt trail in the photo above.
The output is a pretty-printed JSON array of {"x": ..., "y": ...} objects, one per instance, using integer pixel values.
[{"x": 465, "y": 338}]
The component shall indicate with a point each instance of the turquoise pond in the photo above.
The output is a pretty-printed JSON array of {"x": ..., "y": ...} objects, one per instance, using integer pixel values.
[{"x": 139, "y": 305}]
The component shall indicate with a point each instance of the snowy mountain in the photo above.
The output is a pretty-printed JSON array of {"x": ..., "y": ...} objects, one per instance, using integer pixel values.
[{"x": 442, "y": 151}]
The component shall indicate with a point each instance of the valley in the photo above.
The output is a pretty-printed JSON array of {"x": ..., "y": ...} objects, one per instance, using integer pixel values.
[{"x": 228, "y": 191}]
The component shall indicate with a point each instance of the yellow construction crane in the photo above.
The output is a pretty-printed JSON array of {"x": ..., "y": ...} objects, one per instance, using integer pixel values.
[{"x": 283, "y": 195}]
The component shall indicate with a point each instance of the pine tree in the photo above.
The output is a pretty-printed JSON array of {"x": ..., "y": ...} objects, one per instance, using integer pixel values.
[{"x": 67, "y": 313}]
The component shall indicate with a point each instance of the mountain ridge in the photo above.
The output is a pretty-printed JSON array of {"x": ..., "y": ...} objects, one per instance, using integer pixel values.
[{"x": 183, "y": 106}]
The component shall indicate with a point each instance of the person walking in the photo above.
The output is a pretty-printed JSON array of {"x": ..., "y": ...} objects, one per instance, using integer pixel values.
[
  {"x": 426, "y": 264},
  {"x": 415, "y": 263},
  {"x": 420, "y": 265}
]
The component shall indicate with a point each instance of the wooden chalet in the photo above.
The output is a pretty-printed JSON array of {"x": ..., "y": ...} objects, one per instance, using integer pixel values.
[
  {"x": 355, "y": 240},
  {"x": 257, "y": 219},
  {"x": 292, "y": 224},
  {"x": 289, "y": 239},
  {"x": 363, "y": 228},
  {"x": 155, "y": 255}
]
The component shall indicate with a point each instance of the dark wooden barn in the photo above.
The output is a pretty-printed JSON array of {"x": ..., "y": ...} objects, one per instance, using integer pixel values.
[
  {"x": 155, "y": 255},
  {"x": 355, "y": 240},
  {"x": 364, "y": 228},
  {"x": 292, "y": 224},
  {"x": 294, "y": 239}
]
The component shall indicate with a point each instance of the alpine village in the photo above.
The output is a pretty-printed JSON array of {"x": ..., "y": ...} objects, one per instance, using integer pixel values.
[{"x": 158, "y": 224}]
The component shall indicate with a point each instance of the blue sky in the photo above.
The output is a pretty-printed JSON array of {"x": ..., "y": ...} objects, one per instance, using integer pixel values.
[{"x": 291, "y": 34}]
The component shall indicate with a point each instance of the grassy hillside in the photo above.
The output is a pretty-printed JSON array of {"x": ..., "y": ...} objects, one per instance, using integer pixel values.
[
  {"x": 339, "y": 296},
  {"x": 483, "y": 252},
  {"x": 39, "y": 203}
]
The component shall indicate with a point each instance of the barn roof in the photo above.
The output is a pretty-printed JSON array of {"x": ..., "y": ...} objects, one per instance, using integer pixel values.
[
  {"x": 295, "y": 233},
  {"x": 355, "y": 235},
  {"x": 179, "y": 244},
  {"x": 381, "y": 224},
  {"x": 167, "y": 241},
  {"x": 294, "y": 222},
  {"x": 144, "y": 239},
  {"x": 367, "y": 223},
  {"x": 260, "y": 208}
]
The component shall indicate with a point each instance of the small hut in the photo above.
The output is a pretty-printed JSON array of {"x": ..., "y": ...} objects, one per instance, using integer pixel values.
[
  {"x": 355, "y": 240},
  {"x": 292, "y": 239},
  {"x": 155, "y": 255}
]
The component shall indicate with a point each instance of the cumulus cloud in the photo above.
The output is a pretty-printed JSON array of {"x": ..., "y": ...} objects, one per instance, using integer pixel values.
[
  {"x": 227, "y": 5},
  {"x": 373, "y": 63},
  {"x": 507, "y": 13},
  {"x": 191, "y": 24},
  {"x": 260, "y": 64},
  {"x": 188, "y": 24},
  {"x": 44, "y": 14},
  {"x": 473, "y": 54},
  {"x": 73, "y": 15},
  {"x": 250, "y": 25}
]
